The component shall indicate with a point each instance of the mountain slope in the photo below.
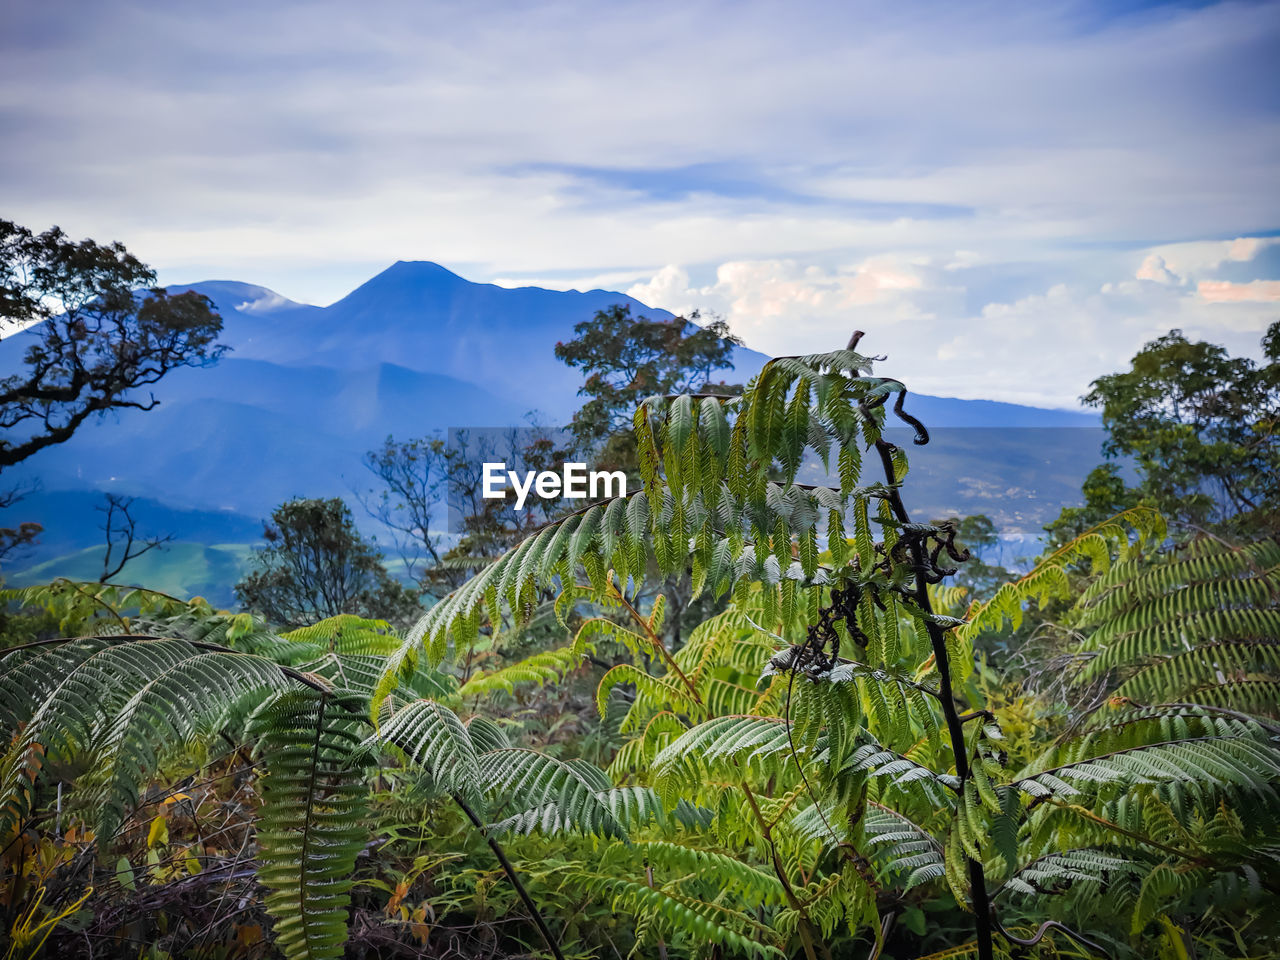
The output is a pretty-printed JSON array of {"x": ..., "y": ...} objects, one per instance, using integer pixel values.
[
  {"x": 307, "y": 390},
  {"x": 425, "y": 318},
  {"x": 421, "y": 316}
]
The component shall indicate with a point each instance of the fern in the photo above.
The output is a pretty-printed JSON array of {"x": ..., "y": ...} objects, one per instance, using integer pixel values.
[
  {"x": 702, "y": 921},
  {"x": 818, "y": 746},
  {"x": 548, "y": 666},
  {"x": 310, "y": 825},
  {"x": 432, "y": 737}
]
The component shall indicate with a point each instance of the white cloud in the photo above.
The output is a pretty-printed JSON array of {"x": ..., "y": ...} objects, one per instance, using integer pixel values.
[
  {"x": 668, "y": 288},
  {"x": 609, "y": 280},
  {"x": 1156, "y": 270},
  {"x": 897, "y": 167},
  {"x": 1042, "y": 348},
  {"x": 1200, "y": 257},
  {"x": 774, "y": 303},
  {"x": 1255, "y": 291},
  {"x": 269, "y": 300}
]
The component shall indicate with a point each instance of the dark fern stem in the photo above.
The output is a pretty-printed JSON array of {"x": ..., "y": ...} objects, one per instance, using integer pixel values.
[{"x": 927, "y": 571}]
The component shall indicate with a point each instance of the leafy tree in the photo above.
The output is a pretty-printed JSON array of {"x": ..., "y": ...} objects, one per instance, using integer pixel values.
[
  {"x": 627, "y": 358},
  {"x": 316, "y": 565},
  {"x": 1105, "y": 495},
  {"x": 975, "y": 534},
  {"x": 428, "y": 480},
  {"x": 1204, "y": 428},
  {"x": 14, "y": 539},
  {"x": 97, "y": 343}
]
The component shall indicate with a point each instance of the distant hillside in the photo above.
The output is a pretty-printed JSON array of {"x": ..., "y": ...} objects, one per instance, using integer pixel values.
[
  {"x": 213, "y": 549},
  {"x": 71, "y": 520},
  {"x": 180, "y": 569},
  {"x": 306, "y": 390}
]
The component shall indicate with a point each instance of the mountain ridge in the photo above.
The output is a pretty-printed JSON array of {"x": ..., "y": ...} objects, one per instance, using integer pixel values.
[
  {"x": 419, "y": 274},
  {"x": 307, "y": 390}
]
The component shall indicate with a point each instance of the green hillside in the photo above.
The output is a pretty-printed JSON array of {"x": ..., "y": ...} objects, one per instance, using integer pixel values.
[{"x": 181, "y": 569}]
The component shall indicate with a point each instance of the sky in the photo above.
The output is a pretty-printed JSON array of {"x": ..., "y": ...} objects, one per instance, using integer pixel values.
[{"x": 1010, "y": 198}]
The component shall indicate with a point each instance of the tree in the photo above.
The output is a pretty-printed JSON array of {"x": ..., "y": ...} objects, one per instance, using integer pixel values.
[
  {"x": 975, "y": 534},
  {"x": 1105, "y": 495},
  {"x": 415, "y": 482},
  {"x": 1204, "y": 428},
  {"x": 123, "y": 541},
  {"x": 317, "y": 565},
  {"x": 425, "y": 478},
  {"x": 98, "y": 343},
  {"x": 15, "y": 539},
  {"x": 626, "y": 359}
]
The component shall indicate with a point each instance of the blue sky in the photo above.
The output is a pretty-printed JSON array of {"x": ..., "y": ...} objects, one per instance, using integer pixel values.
[{"x": 1010, "y": 197}]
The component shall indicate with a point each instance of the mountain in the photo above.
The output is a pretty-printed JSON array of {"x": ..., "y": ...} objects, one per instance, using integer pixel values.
[
  {"x": 305, "y": 391},
  {"x": 423, "y": 317}
]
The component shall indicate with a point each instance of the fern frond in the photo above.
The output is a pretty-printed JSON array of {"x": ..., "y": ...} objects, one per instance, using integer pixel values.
[
  {"x": 1058, "y": 872},
  {"x": 723, "y": 740},
  {"x": 191, "y": 697},
  {"x": 1236, "y": 764},
  {"x": 1048, "y": 577},
  {"x": 699, "y": 920},
  {"x": 546, "y": 666},
  {"x": 348, "y": 634},
  {"x": 632, "y": 807},
  {"x": 311, "y": 825},
  {"x": 558, "y": 795},
  {"x": 432, "y": 737},
  {"x": 725, "y": 873}
]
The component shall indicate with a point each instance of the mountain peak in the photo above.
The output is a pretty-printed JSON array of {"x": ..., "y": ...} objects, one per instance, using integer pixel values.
[
  {"x": 411, "y": 270},
  {"x": 402, "y": 283}
]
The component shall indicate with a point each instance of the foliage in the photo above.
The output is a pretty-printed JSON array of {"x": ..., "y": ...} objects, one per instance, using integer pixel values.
[
  {"x": 627, "y": 359},
  {"x": 820, "y": 768},
  {"x": 15, "y": 539},
  {"x": 310, "y": 825},
  {"x": 426, "y": 481},
  {"x": 977, "y": 534},
  {"x": 317, "y": 565},
  {"x": 1105, "y": 494},
  {"x": 414, "y": 477},
  {"x": 708, "y": 503},
  {"x": 97, "y": 344},
  {"x": 1202, "y": 426}
]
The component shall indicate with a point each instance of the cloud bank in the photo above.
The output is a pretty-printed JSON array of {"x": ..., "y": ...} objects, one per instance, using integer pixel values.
[{"x": 1034, "y": 186}]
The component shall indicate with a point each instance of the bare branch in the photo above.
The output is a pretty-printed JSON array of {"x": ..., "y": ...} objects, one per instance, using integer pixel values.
[{"x": 123, "y": 542}]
